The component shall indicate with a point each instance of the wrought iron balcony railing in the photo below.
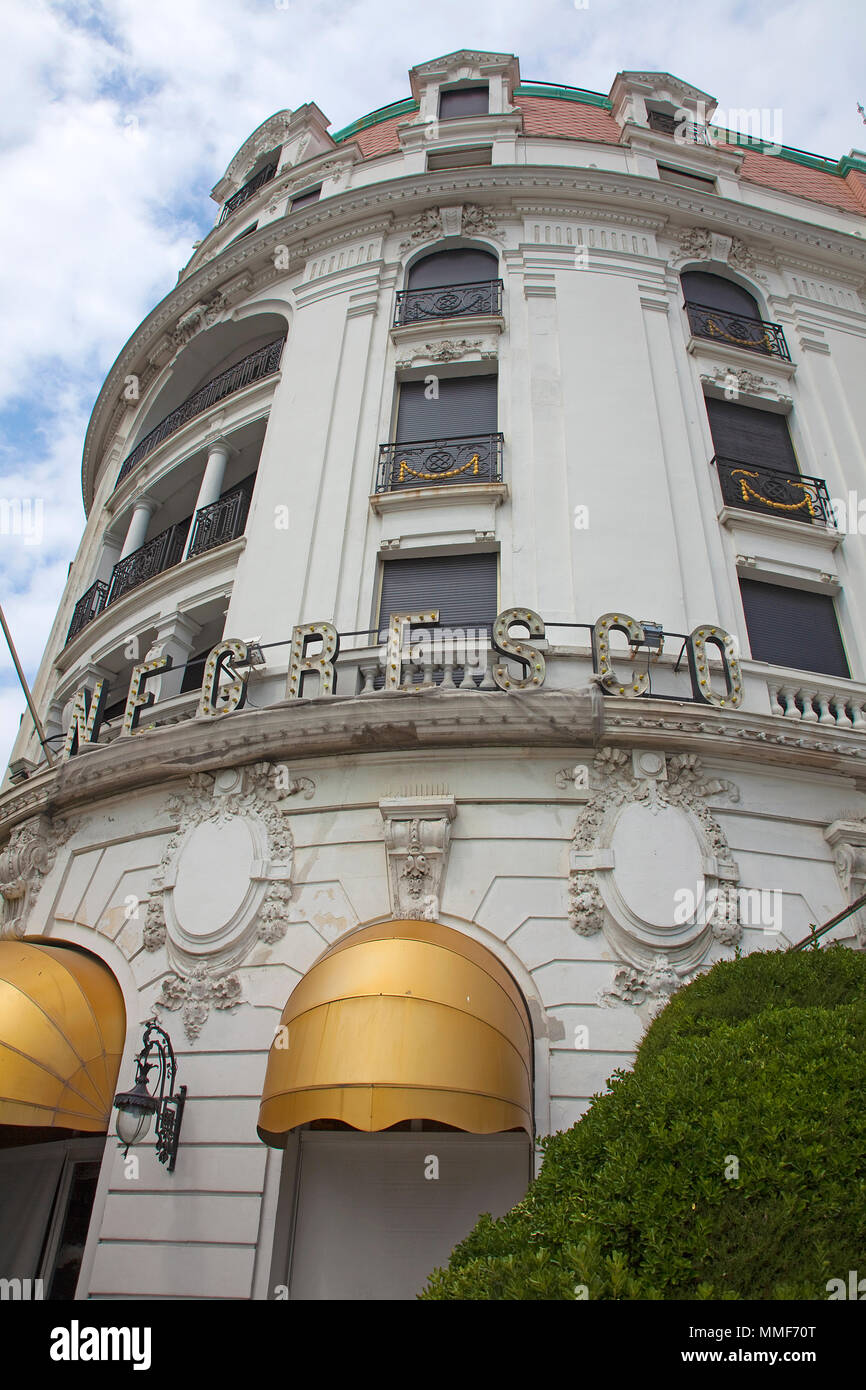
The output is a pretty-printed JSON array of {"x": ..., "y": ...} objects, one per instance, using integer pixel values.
[
  {"x": 224, "y": 520},
  {"x": 473, "y": 458},
  {"x": 264, "y": 362},
  {"x": 449, "y": 301},
  {"x": 737, "y": 330},
  {"x": 91, "y": 603},
  {"x": 770, "y": 490},
  {"x": 152, "y": 558},
  {"x": 244, "y": 194},
  {"x": 689, "y": 132}
]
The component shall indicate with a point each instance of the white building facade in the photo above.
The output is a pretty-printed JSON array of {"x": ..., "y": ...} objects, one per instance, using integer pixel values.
[{"x": 465, "y": 648}]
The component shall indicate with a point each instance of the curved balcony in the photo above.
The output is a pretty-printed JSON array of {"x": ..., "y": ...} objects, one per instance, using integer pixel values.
[
  {"x": 89, "y": 606},
  {"x": 448, "y": 301},
  {"x": 244, "y": 194},
  {"x": 737, "y": 330},
  {"x": 262, "y": 363},
  {"x": 217, "y": 524}
]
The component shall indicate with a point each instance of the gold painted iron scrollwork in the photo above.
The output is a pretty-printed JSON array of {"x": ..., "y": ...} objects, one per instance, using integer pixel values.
[
  {"x": 434, "y": 477},
  {"x": 749, "y": 492}
]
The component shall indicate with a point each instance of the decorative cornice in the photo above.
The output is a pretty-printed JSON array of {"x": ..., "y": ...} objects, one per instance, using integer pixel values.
[{"x": 302, "y": 729}]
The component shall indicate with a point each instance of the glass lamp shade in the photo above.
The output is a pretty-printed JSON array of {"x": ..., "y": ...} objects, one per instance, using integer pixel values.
[{"x": 135, "y": 1109}]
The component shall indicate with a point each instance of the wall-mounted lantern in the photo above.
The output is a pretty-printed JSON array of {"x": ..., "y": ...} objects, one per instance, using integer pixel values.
[{"x": 137, "y": 1107}]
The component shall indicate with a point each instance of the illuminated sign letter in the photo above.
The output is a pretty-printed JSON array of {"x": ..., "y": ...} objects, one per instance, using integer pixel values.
[
  {"x": 86, "y": 718},
  {"x": 322, "y": 661},
  {"x": 611, "y": 683},
  {"x": 231, "y": 696},
  {"x": 139, "y": 698},
  {"x": 399, "y": 646},
  {"x": 699, "y": 667},
  {"x": 531, "y": 660}
]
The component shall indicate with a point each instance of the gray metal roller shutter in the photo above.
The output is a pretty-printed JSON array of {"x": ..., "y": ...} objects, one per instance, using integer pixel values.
[
  {"x": 793, "y": 627},
  {"x": 462, "y": 587},
  {"x": 462, "y": 266},
  {"x": 464, "y": 101},
  {"x": 466, "y": 405},
  {"x": 714, "y": 292},
  {"x": 751, "y": 436}
]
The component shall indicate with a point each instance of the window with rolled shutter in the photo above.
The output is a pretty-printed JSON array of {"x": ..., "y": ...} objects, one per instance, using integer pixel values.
[
  {"x": 464, "y": 101},
  {"x": 747, "y": 435},
  {"x": 463, "y": 266},
  {"x": 793, "y": 627},
  {"x": 461, "y": 587},
  {"x": 465, "y": 405}
]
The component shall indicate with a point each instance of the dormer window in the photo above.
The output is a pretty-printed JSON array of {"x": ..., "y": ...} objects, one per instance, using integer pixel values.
[
  {"x": 679, "y": 125},
  {"x": 464, "y": 101}
]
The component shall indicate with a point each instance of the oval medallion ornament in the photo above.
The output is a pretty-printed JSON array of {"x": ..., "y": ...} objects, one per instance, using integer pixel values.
[
  {"x": 657, "y": 857},
  {"x": 215, "y": 871}
]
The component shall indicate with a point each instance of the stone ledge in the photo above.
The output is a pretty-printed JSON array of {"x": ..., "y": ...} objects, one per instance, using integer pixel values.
[{"x": 431, "y": 720}]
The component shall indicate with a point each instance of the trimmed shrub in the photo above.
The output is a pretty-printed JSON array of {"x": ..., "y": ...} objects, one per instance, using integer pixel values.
[{"x": 728, "y": 1164}]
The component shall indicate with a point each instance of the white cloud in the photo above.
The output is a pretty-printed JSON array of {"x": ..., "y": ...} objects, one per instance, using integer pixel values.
[{"x": 118, "y": 118}]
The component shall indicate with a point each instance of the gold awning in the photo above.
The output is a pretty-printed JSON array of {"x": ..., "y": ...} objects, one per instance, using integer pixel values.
[
  {"x": 402, "y": 1021},
  {"x": 62, "y": 1030}
]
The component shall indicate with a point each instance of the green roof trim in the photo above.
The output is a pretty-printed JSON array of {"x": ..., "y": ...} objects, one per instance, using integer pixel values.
[
  {"x": 583, "y": 97},
  {"x": 551, "y": 89},
  {"x": 750, "y": 142},
  {"x": 384, "y": 113}
]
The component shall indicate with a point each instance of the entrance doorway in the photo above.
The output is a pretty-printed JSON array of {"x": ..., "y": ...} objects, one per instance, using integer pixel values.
[{"x": 372, "y": 1215}]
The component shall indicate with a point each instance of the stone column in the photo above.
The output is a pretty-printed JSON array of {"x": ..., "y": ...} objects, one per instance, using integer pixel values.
[
  {"x": 176, "y": 634},
  {"x": 211, "y": 483},
  {"x": 136, "y": 533}
]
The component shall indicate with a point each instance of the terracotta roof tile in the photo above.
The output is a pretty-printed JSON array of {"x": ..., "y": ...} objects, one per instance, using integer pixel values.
[
  {"x": 772, "y": 172},
  {"x": 381, "y": 138},
  {"x": 567, "y": 119},
  {"x": 571, "y": 120}
]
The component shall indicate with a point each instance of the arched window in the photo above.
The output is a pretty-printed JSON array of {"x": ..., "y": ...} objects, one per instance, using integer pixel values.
[
  {"x": 448, "y": 283},
  {"x": 714, "y": 292},
  {"x": 720, "y": 309}
]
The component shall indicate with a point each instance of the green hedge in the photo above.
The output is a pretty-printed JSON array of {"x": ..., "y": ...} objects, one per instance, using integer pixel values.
[{"x": 762, "y": 1061}]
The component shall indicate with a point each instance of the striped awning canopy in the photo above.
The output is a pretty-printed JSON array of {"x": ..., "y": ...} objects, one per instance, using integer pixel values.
[
  {"x": 62, "y": 1031},
  {"x": 404, "y": 1020}
]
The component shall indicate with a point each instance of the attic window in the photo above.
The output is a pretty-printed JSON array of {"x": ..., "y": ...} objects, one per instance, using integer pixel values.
[
  {"x": 304, "y": 199},
  {"x": 686, "y": 180},
  {"x": 460, "y": 159},
  {"x": 464, "y": 101}
]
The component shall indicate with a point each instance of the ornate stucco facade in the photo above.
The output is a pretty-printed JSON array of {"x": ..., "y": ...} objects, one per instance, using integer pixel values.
[{"x": 555, "y": 808}]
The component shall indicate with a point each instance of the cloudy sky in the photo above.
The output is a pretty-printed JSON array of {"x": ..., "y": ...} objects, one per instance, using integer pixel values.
[{"x": 118, "y": 118}]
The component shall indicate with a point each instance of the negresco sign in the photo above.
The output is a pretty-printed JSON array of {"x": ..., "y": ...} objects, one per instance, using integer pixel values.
[{"x": 220, "y": 697}]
